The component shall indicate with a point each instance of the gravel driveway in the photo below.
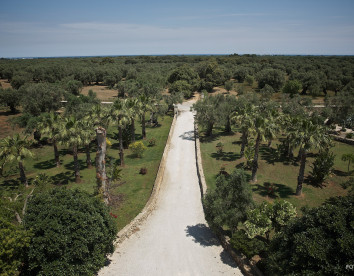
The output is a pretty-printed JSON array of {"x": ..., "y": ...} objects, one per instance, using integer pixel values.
[{"x": 174, "y": 240}]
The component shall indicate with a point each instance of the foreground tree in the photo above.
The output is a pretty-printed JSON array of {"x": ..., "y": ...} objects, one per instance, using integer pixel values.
[
  {"x": 72, "y": 233},
  {"x": 11, "y": 98},
  {"x": 101, "y": 176},
  {"x": 16, "y": 149},
  {"x": 229, "y": 202},
  {"x": 321, "y": 242}
]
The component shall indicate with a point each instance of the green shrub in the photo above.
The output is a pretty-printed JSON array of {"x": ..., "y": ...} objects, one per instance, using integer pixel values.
[
  {"x": 13, "y": 243},
  {"x": 322, "y": 167},
  {"x": 72, "y": 230},
  {"x": 138, "y": 148},
  {"x": 152, "y": 142},
  {"x": 349, "y": 135},
  {"x": 249, "y": 247}
]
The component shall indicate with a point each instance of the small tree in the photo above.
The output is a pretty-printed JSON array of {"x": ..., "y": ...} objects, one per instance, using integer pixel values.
[
  {"x": 292, "y": 87},
  {"x": 348, "y": 157},
  {"x": 229, "y": 85},
  {"x": 229, "y": 202},
  {"x": 322, "y": 166}
]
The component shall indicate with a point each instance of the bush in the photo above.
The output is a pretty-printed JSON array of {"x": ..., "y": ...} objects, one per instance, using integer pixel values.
[
  {"x": 219, "y": 148},
  {"x": 137, "y": 148},
  {"x": 349, "y": 136},
  {"x": 322, "y": 167},
  {"x": 143, "y": 171},
  {"x": 72, "y": 230},
  {"x": 321, "y": 242},
  {"x": 152, "y": 142},
  {"x": 249, "y": 80},
  {"x": 249, "y": 247}
]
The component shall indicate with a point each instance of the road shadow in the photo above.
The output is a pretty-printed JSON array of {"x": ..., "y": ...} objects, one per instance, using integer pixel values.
[
  {"x": 202, "y": 235},
  {"x": 188, "y": 135}
]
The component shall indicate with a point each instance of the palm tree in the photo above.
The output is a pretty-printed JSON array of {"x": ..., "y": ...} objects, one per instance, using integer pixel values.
[
  {"x": 121, "y": 115},
  {"x": 145, "y": 105},
  {"x": 17, "y": 148},
  {"x": 88, "y": 135},
  {"x": 348, "y": 157},
  {"x": 50, "y": 126},
  {"x": 101, "y": 176},
  {"x": 71, "y": 135},
  {"x": 133, "y": 110},
  {"x": 309, "y": 135}
]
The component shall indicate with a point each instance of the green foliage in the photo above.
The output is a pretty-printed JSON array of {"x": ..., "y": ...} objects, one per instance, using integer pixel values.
[
  {"x": 73, "y": 86},
  {"x": 72, "y": 233},
  {"x": 181, "y": 86},
  {"x": 249, "y": 80},
  {"x": 229, "y": 202},
  {"x": 13, "y": 244},
  {"x": 249, "y": 247},
  {"x": 321, "y": 242},
  {"x": 348, "y": 157},
  {"x": 322, "y": 167},
  {"x": 10, "y": 98},
  {"x": 292, "y": 87},
  {"x": 229, "y": 85},
  {"x": 273, "y": 77},
  {"x": 138, "y": 148},
  {"x": 249, "y": 153}
]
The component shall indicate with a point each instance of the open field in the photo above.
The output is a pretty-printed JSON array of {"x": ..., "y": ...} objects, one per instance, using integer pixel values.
[{"x": 280, "y": 172}]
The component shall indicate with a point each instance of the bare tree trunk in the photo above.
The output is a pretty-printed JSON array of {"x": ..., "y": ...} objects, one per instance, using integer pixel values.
[
  {"x": 22, "y": 174},
  {"x": 88, "y": 156},
  {"x": 132, "y": 129},
  {"x": 255, "y": 159},
  {"x": 209, "y": 130},
  {"x": 121, "y": 149},
  {"x": 101, "y": 176},
  {"x": 56, "y": 153},
  {"x": 76, "y": 165},
  {"x": 143, "y": 125},
  {"x": 244, "y": 142},
  {"x": 300, "y": 178},
  {"x": 298, "y": 158}
]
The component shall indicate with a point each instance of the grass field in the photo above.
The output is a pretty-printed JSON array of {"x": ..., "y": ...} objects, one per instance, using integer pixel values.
[
  {"x": 131, "y": 193},
  {"x": 279, "y": 172}
]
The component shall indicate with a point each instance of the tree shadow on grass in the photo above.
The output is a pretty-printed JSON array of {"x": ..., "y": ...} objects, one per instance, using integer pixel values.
[
  {"x": 45, "y": 165},
  {"x": 70, "y": 166},
  {"x": 226, "y": 156},
  {"x": 11, "y": 184},
  {"x": 63, "y": 178},
  {"x": 341, "y": 173},
  {"x": 271, "y": 156},
  {"x": 280, "y": 190}
]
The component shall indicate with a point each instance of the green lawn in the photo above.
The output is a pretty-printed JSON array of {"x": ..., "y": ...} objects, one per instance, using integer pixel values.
[
  {"x": 132, "y": 192},
  {"x": 280, "y": 172}
]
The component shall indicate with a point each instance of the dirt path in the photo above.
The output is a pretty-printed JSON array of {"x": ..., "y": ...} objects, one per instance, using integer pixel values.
[{"x": 175, "y": 239}]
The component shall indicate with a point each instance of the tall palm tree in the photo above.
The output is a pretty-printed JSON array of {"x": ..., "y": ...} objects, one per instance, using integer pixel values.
[
  {"x": 50, "y": 127},
  {"x": 133, "y": 110},
  {"x": 145, "y": 105},
  {"x": 71, "y": 135},
  {"x": 121, "y": 115},
  {"x": 309, "y": 135},
  {"x": 88, "y": 135},
  {"x": 17, "y": 149}
]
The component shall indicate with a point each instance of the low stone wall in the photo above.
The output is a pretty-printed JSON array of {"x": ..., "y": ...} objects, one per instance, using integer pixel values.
[
  {"x": 133, "y": 226},
  {"x": 248, "y": 268},
  {"x": 342, "y": 139}
]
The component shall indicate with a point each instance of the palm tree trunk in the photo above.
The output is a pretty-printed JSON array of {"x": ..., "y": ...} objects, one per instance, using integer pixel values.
[
  {"x": 298, "y": 158},
  {"x": 255, "y": 159},
  {"x": 300, "y": 178},
  {"x": 228, "y": 125},
  {"x": 244, "y": 142},
  {"x": 101, "y": 177},
  {"x": 132, "y": 129},
  {"x": 88, "y": 156},
  {"x": 22, "y": 174},
  {"x": 76, "y": 165},
  {"x": 56, "y": 153},
  {"x": 121, "y": 149},
  {"x": 143, "y": 125}
]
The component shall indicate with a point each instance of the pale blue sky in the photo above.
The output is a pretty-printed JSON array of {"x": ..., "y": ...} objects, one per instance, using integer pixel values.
[{"x": 39, "y": 28}]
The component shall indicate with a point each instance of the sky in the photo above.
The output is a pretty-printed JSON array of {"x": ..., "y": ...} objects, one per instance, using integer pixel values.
[{"x": 47, "y": 28}]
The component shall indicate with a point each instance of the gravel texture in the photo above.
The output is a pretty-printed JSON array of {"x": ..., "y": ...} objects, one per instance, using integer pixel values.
[{"x": 175, "y": 239}]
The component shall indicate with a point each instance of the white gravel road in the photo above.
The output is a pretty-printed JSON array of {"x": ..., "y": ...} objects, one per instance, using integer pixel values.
[{"x": 174, "y": 240}]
